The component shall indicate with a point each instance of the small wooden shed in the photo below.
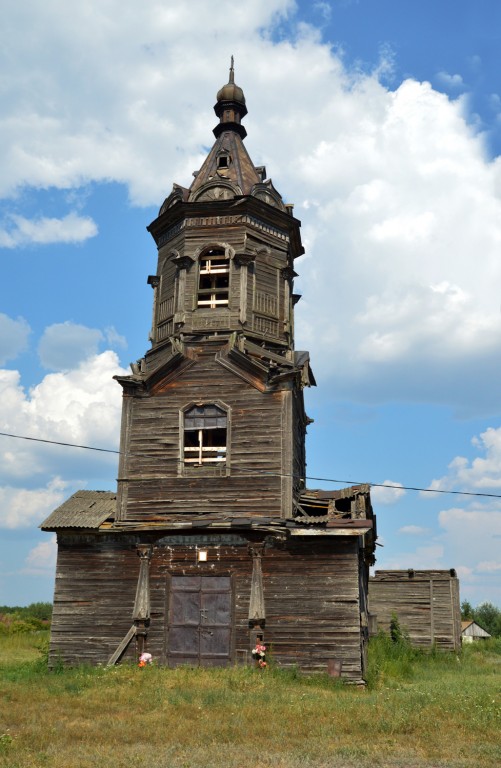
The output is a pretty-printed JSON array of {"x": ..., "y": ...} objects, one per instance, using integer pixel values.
[
  {"x": 471, "y": 632},
  {"x": 426, "y": 604}
]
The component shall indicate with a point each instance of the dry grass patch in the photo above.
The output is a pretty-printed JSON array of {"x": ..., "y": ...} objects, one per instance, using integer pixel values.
[{"x": 433, "y": 712}]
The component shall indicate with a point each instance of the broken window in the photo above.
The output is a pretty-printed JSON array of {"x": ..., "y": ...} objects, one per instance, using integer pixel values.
[
  {"x": 214, "y": 281},
  {"x": 205, "y": 435}
]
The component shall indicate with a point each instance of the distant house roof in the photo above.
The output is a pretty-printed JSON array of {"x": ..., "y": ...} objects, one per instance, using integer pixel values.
[
  {"x": 85, "y": 509},
  {"x": 470, "y": 628}
]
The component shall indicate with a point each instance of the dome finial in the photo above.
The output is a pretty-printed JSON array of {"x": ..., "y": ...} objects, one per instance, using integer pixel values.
[{"x": 230, "y": 106}]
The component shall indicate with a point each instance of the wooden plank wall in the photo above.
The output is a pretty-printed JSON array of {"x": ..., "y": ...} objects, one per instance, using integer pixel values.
[
  {"x": 312, "y": 605},
  {"x": 311, "y": 596},
  {"x": 94, "y": 593},
  {"x": 425, "y": 602},
  {"x": 298, "y": 438},
  {"x": 158, "y": 483}
]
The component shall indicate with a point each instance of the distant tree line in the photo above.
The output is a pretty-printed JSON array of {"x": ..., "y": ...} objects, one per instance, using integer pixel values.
[
  {"x": 486, "y": 616},
  {"x": 16, "y": 619}
]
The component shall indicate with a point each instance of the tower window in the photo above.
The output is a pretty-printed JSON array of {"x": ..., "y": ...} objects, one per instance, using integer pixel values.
[
  {"x": 214, "y": 282},
  {"x": 205, "y": 435},
  {"x": 223, "y": 161}
]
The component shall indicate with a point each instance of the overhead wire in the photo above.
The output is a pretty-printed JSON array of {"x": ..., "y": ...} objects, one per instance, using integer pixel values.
[{"x": 261, "y": 472}]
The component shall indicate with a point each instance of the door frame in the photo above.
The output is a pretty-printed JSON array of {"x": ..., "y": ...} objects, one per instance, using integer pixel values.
[{"x": 167, "y": 624}]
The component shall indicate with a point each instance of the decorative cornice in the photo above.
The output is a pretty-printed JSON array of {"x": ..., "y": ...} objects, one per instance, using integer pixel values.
[
  {"x": 221, "y": 220},
  {"x": 244, "y": 259},
  {"x": 183, "y": 262}
]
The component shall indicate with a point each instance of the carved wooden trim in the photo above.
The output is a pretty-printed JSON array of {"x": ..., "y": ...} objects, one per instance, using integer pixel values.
[{"x": 257, "y": 611}]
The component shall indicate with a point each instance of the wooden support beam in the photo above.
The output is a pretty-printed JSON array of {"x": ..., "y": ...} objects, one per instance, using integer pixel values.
[
  {"x": 142, "y": 602},
  {"x": 257, "y": 611},
  {"x": 115, "y": 657}
]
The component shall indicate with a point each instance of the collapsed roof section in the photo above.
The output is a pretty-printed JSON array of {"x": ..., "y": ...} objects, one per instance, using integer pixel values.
[{"x": 346, "y": 512}]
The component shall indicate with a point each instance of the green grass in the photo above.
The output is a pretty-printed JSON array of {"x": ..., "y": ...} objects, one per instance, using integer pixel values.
[{"x": 419, "y": 712}]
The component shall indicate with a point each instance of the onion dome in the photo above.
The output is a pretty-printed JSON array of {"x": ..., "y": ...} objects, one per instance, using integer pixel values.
[
  {"x": 231, "y": 91},
  {"x": 230, "y": 107}
]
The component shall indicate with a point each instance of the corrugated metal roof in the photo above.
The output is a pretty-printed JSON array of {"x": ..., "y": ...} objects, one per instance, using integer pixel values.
[{"x": 85, "y": 509}]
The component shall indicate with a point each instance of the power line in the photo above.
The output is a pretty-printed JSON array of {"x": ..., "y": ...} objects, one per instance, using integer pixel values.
[
  {"x": 57, "y": 442},
  {"x": 270, "y": 474}
]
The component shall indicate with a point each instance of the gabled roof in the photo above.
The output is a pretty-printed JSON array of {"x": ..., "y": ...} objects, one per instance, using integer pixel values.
[
  {"x": 159, "y": 366},
  {"x": 470, "y": 627},
  {"x": 85, "y": 509},
  {"x": 264, "y": 368}
]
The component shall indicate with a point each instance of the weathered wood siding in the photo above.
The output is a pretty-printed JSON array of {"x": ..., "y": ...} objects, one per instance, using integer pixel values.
[
  {"x": 425, "y": 602},
  {"x": 311, "y": 594},
  {"x": 312, "y": 606},
  {"x": 259, "y": 304},
  {"x": 298, "y": 439},
  {"x": 96, "y": 578},
  {"x": 258, "y": 446}
]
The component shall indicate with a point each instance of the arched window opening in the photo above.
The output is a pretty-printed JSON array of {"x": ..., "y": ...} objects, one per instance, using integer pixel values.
[
  {"x": 214, "y": 281},
  {"x": 205, "y": 435}
]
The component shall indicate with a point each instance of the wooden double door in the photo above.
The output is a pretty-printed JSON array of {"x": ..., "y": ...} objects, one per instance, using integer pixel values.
[{"x": 200, "y": 621}]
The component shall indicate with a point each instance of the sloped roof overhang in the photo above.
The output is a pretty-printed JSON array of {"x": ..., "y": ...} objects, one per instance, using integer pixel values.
[{"x": 256, "y": 212}]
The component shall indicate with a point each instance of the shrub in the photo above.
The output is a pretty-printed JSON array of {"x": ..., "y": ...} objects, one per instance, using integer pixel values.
[
  {"x": 18, "y": 620},
  {"x": 390, "y": 657}
]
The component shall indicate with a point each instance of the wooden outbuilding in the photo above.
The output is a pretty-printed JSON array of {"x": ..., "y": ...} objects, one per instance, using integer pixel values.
[
  {"x": 212, "y": 539},
  {"x": 471, "y": 632},
  {"x": 426, "y": 604}
]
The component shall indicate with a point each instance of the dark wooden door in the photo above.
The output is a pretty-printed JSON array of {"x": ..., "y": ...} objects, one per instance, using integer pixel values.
[{"x": 199, "y": 621}]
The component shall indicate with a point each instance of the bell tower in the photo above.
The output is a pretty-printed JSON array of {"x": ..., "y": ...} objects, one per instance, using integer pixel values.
[
  {"x": 218, "y": 399},
  {"x": 234, "y": 550},
  {"x": 226, "y": 247}
]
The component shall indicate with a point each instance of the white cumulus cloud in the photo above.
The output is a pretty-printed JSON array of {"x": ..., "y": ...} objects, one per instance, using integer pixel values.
[
  {"x": 44, "y": 231},
  {"x": 479, "y": 526},
  {"x": 13, "y": 337},
  {"x": 481, "y": 473},
  {"x": 22, "y": 508},
  {"x": 387, "y": 493},
  {"x": 403, "y": 222},
  {"x": 414, "y": 530},
  {"x": 81, "y": 406},
  {"x": 65, "y": 345},
  {"x": 450, "y": 81},
  {"x": 42, "y": 558}
]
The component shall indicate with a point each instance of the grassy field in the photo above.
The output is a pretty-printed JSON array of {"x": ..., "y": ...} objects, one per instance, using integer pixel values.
[{"x": 417, "y": 712}]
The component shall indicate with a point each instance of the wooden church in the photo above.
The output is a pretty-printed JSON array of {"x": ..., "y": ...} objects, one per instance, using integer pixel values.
[{"x": 212, "y": 539}]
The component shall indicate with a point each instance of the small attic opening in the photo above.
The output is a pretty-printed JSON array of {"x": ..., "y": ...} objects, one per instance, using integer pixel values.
[{"x": 223, "y": 161}]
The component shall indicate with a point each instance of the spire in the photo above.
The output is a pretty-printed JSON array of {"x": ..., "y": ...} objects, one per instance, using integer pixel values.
[{"x": 230, "y": 106}]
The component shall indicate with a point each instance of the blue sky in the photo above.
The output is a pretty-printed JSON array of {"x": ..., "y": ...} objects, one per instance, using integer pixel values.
[{"x": 381, "y": 122}]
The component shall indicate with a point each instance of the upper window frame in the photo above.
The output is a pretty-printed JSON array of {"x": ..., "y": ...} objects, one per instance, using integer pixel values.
[
  {"x": 211, "y": 466},
  {"x": 213, "y": 279}
]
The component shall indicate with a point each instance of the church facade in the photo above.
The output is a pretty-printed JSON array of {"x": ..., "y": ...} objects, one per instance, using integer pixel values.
[{"x": 212, "y": 541}]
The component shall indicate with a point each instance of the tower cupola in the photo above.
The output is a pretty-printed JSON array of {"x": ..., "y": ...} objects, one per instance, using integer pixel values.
[{"x": 230, "y": 107}]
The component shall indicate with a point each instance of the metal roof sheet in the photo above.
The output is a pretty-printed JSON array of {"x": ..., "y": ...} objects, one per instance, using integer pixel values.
[{"x": 85, "y": 509}]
